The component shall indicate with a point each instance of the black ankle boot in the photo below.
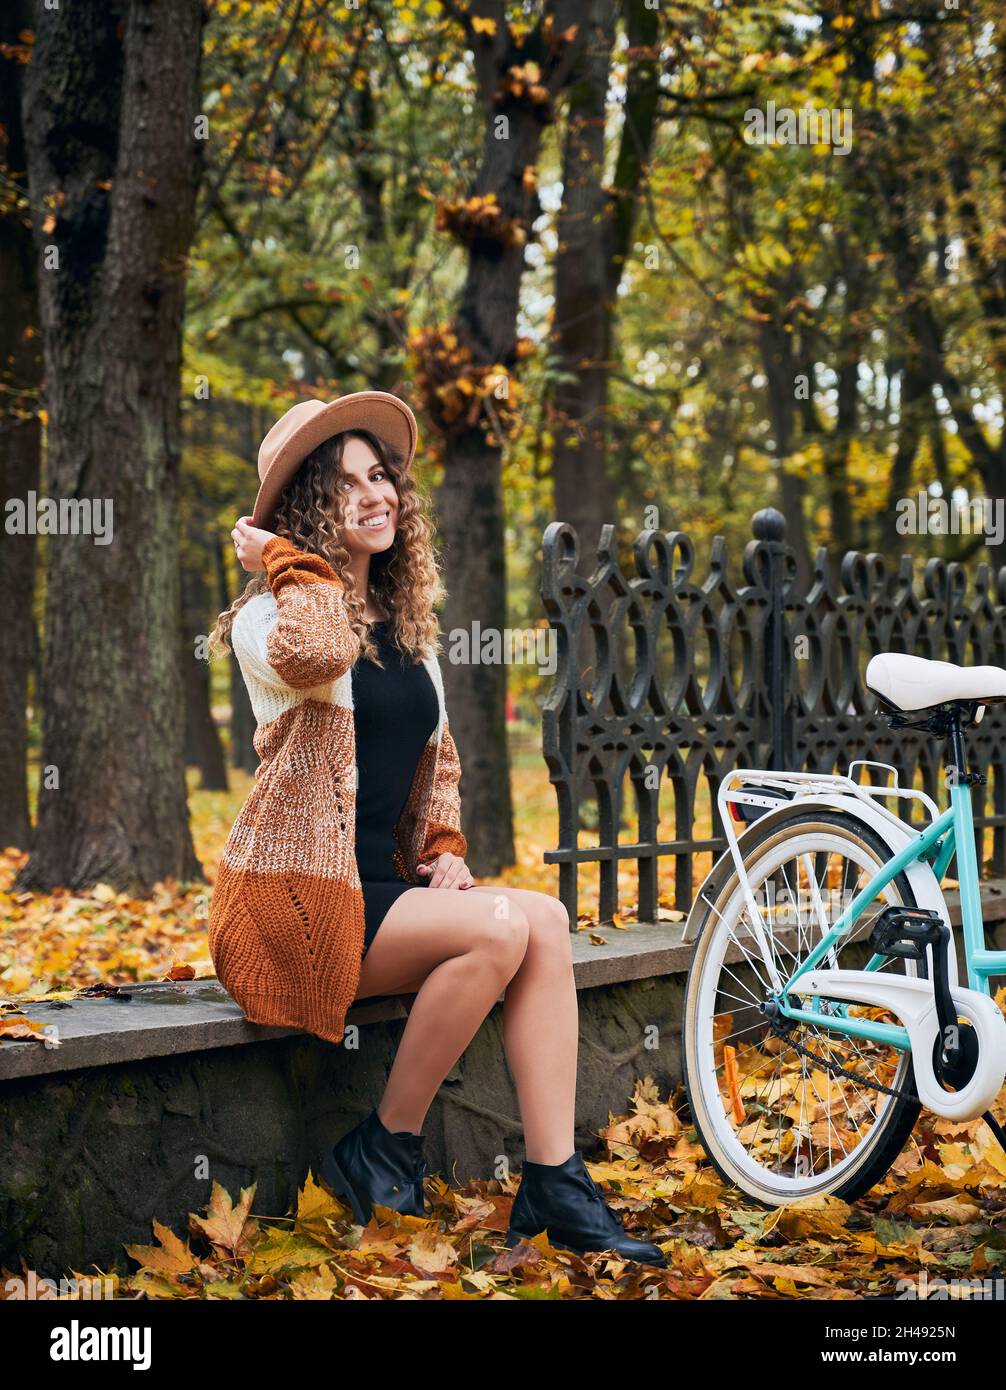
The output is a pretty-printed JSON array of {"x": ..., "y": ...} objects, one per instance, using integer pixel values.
[
  {"x": 564, "y": 1201},
  {"x": 372, "y": 1166}
]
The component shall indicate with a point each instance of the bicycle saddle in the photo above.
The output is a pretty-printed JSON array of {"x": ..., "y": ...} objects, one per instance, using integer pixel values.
[{"x": 914, "y": 683}]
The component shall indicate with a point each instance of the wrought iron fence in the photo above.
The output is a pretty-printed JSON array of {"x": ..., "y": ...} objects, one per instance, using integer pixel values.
[{"x": 686, "y": 678}]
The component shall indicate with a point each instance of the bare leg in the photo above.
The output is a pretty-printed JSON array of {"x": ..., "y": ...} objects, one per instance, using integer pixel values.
[
  {"x": 436, "y": 941},
  {"x": 541, "y": 1024},
  {"x": 451, "y": 946}
]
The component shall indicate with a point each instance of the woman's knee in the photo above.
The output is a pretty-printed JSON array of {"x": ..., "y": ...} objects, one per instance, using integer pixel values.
[
  {"x": 501, "y": 931},
  {"x": 558, "y": 915},
  {"x": 549, "y": 925}
]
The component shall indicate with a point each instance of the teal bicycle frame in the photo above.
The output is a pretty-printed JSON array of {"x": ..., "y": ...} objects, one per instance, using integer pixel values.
[{"x": 936, "y": 845}]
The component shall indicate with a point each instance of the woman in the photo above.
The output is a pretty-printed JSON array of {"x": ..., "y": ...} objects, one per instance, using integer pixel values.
[{"x": 334, "y": 886}]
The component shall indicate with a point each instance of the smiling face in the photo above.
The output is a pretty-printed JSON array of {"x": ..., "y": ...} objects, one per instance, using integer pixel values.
[{"x": 369, "y": 500}]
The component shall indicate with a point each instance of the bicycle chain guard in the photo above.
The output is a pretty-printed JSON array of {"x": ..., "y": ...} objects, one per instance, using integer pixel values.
[{"x": 913, "y": 1002}]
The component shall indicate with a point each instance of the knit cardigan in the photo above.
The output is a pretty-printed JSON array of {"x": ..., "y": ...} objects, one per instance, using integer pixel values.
[{"x": 286, "y": 923}]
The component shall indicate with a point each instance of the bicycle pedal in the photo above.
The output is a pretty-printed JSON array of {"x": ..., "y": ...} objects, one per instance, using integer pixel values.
[{"x": 907, "y": 931}]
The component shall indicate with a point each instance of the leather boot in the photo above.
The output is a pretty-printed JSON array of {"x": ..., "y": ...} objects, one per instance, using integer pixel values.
[
  {"x": 564, "y": 1201},
  {"x": 371, "y": 1165}
]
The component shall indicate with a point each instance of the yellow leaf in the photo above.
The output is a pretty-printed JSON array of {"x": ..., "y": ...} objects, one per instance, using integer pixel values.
[
  {"x": 811, "y": 1216},
  {"x": 17, "y": 978},
  {"x": 172, "y": 1256},
  {"x": 286, "y": 1250},
  {"x": 431, "y": 1251},
  {"x": 227, "y": 1227}
]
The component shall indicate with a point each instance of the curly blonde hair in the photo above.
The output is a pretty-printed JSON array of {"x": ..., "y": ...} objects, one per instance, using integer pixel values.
[{"x": 405, "y": 578}]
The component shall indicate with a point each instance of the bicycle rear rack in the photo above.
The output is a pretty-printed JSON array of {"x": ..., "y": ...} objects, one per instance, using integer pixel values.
[{"x": 796, "y": 786}]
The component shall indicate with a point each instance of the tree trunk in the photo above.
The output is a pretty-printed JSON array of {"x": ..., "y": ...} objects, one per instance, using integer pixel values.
[
  {"x": 837, "y": 443},
  {"x": 471, "y": 498},
  {"x": 20, "y": 445},
  {"x": 780, "y": 373},
  {"x": 243, "y": 722},
  {"x": 203, "y": 748},
  {"x": 471, "y": 523},
  {"x": 912, "y": 415},
  {"x": 781, "y": 366},
  {"x": 243, "y": 753},
  {"x": 596, "y": 224},
  {"x": 582, "y": 310},
  {"x": 111, "y": 102}
]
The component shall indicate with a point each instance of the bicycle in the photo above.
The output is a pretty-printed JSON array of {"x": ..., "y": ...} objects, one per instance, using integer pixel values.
[{"x": 823, "y": 1008}]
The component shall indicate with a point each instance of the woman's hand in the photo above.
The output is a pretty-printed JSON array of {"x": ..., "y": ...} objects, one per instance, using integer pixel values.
[
  {"x": 447, "y": 871},
  {"x": 248, "y": 542}
]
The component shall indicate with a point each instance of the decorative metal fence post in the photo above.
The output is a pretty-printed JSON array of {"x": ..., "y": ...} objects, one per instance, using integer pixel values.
[{"x": 769, "y": 529}]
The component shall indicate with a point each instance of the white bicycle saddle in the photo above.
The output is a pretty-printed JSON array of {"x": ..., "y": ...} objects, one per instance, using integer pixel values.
[{"x": 913, "y": 682}]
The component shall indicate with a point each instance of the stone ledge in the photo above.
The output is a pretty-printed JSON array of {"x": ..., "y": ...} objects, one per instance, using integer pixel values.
[
  {"x": 160, "y": 1019},
  {"x": 168, "y": 1018}
]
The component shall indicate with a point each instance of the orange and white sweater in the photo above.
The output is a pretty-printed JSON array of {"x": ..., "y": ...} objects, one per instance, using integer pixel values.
[{"x": 286, "y": 920}]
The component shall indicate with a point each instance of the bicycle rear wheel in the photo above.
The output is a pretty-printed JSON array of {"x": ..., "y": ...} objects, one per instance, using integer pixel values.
[{"x": 775, "y": 1123}]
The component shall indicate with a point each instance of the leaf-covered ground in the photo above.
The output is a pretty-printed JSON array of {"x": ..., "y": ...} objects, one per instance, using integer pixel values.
[
  {"x": 941, "y": 1210},
  {"x": 938, "y": 1212}
]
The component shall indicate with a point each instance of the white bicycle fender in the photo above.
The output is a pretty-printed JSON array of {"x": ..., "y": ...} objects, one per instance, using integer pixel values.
[{"x": 912, "y": 1000}]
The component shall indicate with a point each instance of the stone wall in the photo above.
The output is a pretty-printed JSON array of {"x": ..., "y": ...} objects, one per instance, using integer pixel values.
[{"x": 91, "y": 1156}]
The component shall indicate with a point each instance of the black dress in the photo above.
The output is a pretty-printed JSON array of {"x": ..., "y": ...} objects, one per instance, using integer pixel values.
[{"x": 395, "y": 710}]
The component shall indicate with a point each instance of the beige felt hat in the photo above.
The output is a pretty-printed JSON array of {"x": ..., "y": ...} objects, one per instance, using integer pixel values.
[{"x": 309, "y": 423}]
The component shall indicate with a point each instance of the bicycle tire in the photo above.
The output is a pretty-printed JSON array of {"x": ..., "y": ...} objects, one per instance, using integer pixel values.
[{"x": 900, "y": 1115}]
